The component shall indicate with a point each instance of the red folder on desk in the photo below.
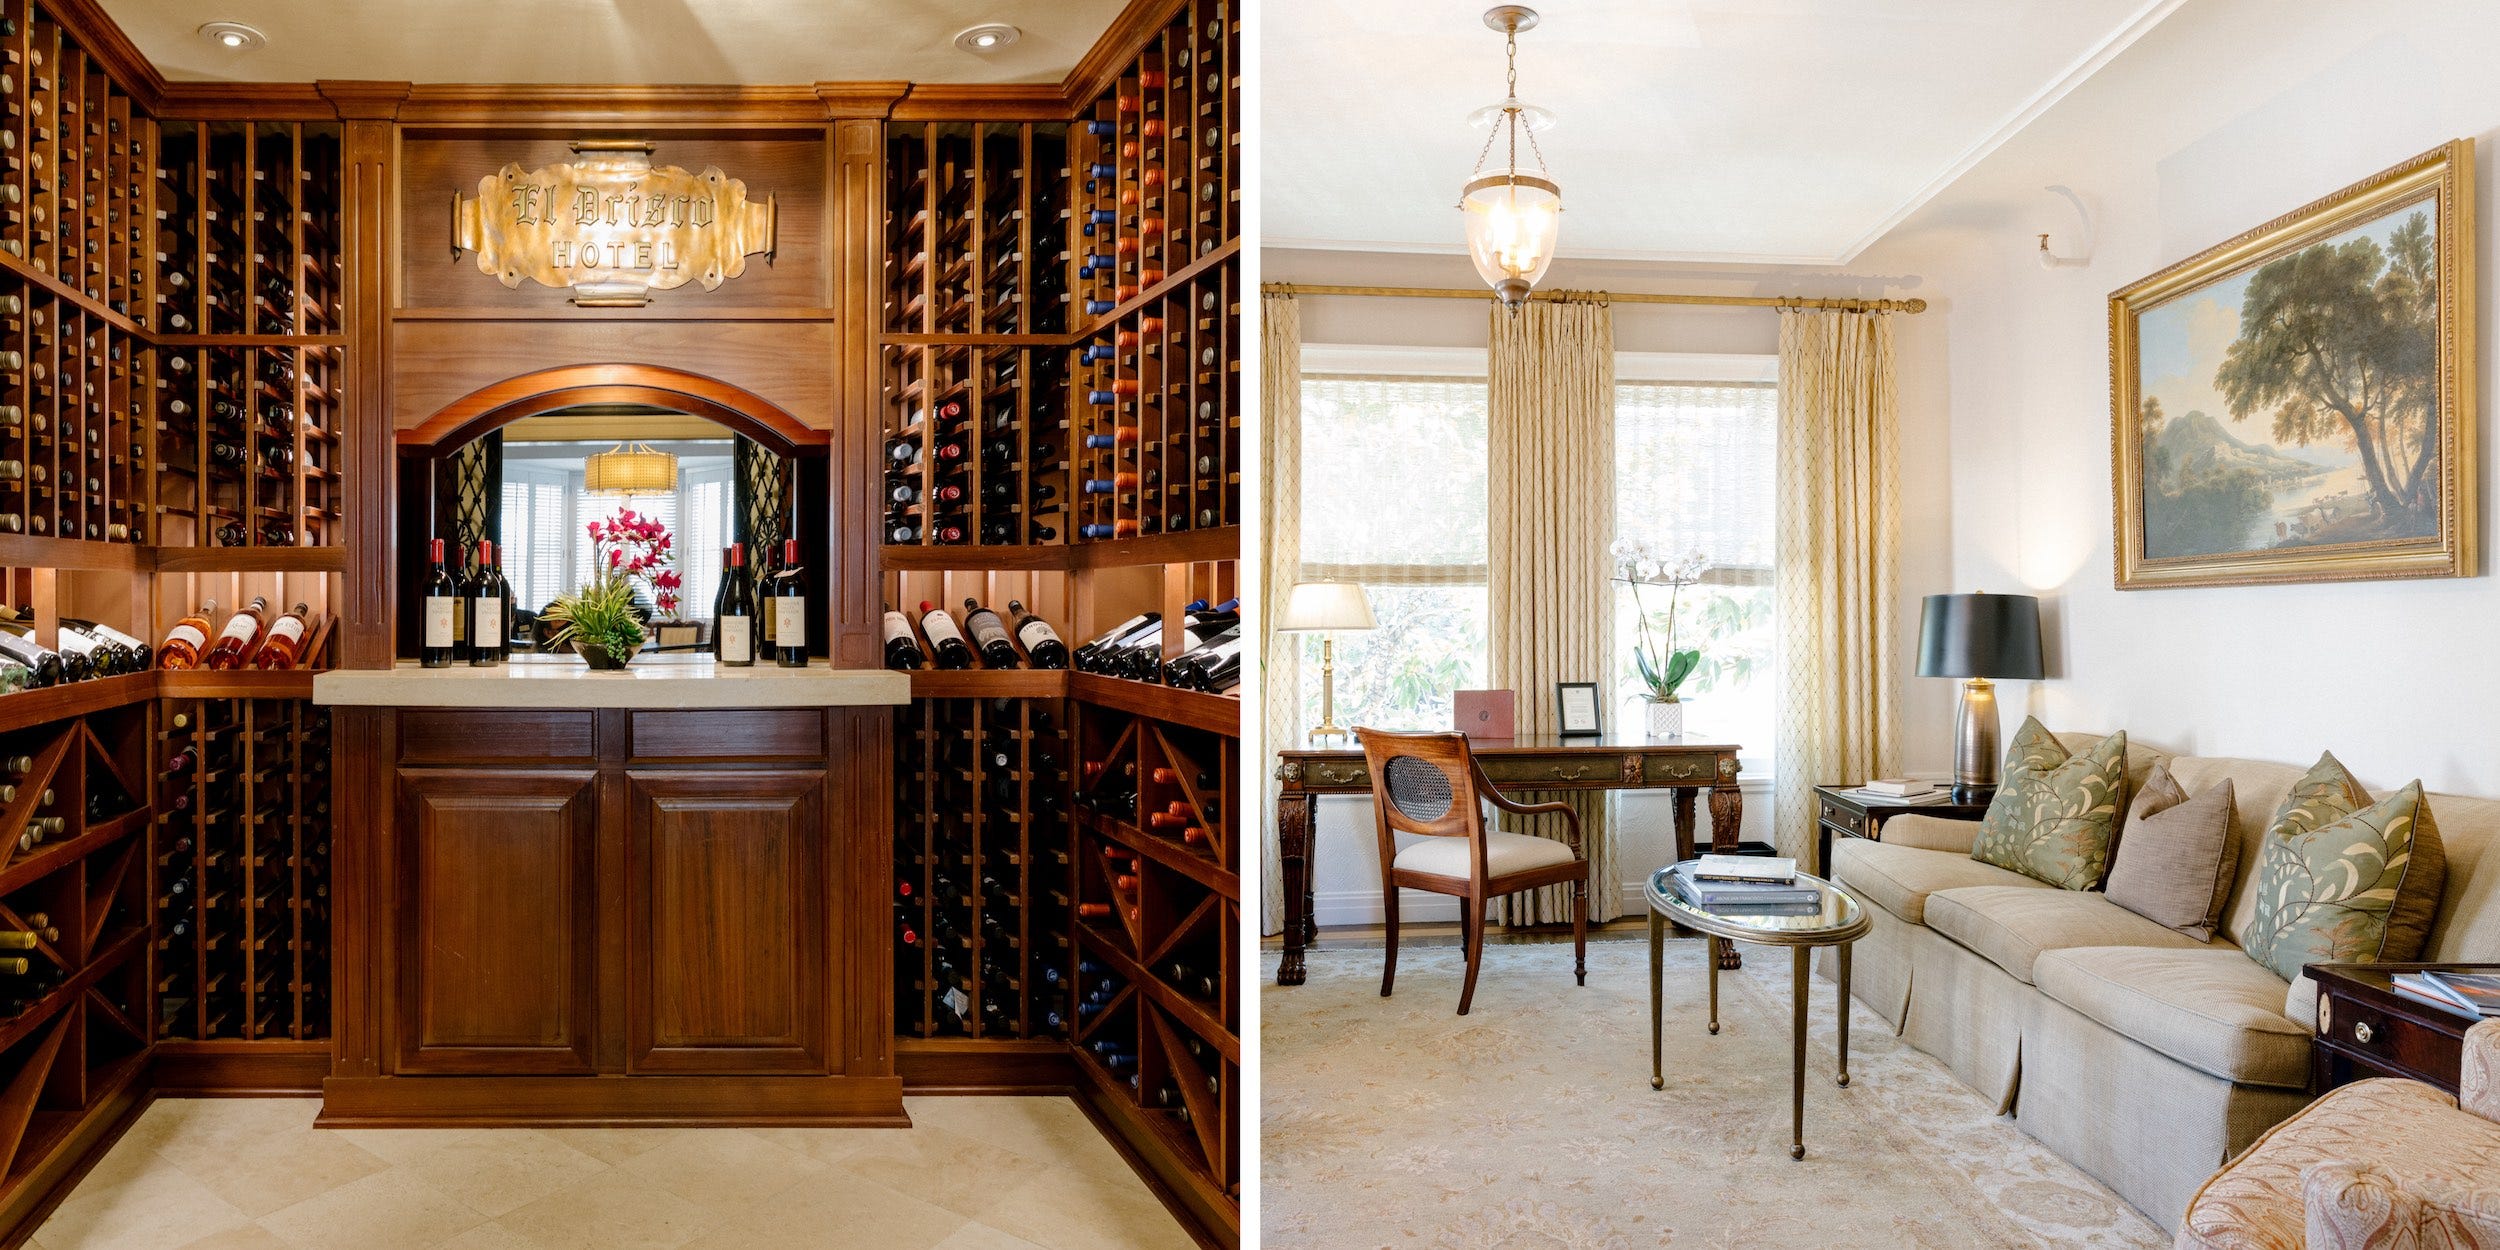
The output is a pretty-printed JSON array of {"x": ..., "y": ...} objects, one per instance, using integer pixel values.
[{"x": 1487, "y": 713}]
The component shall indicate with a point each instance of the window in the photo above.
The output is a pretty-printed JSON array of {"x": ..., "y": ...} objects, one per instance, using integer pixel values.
[
  {"x": 546, "y": 514},
  {"x": 1693, "y": 471},
  {"x": 1393, "y": 497}
]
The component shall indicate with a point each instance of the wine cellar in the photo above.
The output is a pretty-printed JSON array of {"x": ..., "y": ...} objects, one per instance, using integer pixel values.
[
  {"x": 996, "y": 351},
  {"x": 1063, "y": 434}
]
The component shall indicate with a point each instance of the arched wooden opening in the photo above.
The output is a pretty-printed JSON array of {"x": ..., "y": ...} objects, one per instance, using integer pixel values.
[{"x": 491, "y": 408}]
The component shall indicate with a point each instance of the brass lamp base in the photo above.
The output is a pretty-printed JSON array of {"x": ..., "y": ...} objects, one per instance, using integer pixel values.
[
  {"x": 1328, "y": 726},
  {"x": 1975, "y": 742}
]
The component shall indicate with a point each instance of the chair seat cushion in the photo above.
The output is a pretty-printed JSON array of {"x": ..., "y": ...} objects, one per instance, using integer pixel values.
[
  {"x": 1504, "y": 853},
  {"x": 2010, "y": 926},
  {"x": 2404, "y": 1128},
  {"x": 1899, "y": 878},
  {"x": 2211, "y": 1008}
]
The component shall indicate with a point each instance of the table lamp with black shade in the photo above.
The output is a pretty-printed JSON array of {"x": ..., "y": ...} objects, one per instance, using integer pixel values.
[{"x": 1978, "y": 637}]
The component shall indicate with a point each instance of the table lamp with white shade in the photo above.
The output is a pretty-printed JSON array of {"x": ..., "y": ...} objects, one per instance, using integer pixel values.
[{"x": 1325, "y": 608}]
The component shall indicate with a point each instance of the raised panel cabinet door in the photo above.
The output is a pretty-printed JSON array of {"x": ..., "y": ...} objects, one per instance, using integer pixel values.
[
  {"x": 497, "y": 935},
  {"x": 725, "y": 942}
]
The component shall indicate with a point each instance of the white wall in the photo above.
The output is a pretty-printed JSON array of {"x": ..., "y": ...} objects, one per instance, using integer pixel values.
[
  {"x": 2229, "y": 114},
  {"x": 1346, "y": 859}
]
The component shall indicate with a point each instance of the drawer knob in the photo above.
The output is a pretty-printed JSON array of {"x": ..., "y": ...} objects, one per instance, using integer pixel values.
[{"x": 2362, "y": 1033}]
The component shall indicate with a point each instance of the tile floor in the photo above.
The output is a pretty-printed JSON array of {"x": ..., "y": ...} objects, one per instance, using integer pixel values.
[{"x": 253, "y": 1174}]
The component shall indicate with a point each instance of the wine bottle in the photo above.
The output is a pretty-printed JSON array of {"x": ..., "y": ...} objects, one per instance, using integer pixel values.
[
  {"x": 137, "y": 655},
  {"x": 490, "y": 627},
  {"x": 83, "y": 656},
  {"x": 989, "y": 634},
  {"x": 790, "y": 608},
  {"x": 1084, "y": 656},
  {"x": 285, "y": 643},
  {"x": 442, "y": 607},
  {"x": 181, "y": 648},
  {"x": 1040, "y": 641},
  {"x": 733, "y": 611},
  {"x": 42, "y": 662},
  {"x": 902, "y": 650},
  {"x": 236, "y": 640},
  {"x": 944, "y": 638}
]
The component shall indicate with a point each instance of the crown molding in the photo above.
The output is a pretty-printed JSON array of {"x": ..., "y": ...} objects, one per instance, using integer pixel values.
[
  {"x": 258, "y": 101},
  {"x": 1006, "y": 102},
  {"x": 103, "y": 38},
  {"x": 1127, "y": 36}
]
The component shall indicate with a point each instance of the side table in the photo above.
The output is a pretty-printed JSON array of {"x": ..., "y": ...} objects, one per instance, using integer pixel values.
[
  {"x": 1841, "y": 812},
  {"x": 2367, "y": 1028}
]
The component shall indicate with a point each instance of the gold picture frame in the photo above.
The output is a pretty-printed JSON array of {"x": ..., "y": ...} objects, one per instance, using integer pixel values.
[{"x": 2342, "y": 442}]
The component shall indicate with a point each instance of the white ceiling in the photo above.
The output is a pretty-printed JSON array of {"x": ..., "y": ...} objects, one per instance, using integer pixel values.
[
  {"x": 774, "y": 42},
  {"x": 1754, "y": 131}
]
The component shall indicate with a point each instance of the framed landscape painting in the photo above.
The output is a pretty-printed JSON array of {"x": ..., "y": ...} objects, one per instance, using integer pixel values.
[{"x": 2297, "y": 404}]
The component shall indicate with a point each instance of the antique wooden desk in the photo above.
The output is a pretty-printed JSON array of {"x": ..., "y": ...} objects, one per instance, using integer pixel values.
[{"x": 1625, "y": 761}]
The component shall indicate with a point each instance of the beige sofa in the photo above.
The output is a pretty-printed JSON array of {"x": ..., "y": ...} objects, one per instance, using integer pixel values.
[{"x": 2137, "y": 1054}]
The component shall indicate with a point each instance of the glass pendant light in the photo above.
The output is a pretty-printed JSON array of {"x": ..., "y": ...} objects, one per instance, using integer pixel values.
[{"x": 1513, "y": 215}]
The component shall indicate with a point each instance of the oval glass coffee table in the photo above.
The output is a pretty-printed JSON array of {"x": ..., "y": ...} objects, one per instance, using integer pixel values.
[{"x": 1836, "y": 921}]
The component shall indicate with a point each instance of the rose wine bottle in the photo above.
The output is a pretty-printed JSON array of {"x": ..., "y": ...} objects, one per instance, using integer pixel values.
[
  {"x": 240, "y": 633},
  {"x": 285, "y": 643},
  {"x": 181, "y": 648},
  {"x": 442, "y": 612}
]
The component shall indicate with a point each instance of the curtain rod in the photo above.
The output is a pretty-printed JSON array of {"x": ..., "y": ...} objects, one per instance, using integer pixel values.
[{"x": 1618, "y": 297}]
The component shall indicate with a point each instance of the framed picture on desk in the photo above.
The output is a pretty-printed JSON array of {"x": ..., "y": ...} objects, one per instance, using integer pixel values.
[{"x": 1577, "y": 710}]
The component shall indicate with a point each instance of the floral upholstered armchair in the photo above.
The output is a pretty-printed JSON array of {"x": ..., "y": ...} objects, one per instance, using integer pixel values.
[{"x": 2379, "y": 1163}]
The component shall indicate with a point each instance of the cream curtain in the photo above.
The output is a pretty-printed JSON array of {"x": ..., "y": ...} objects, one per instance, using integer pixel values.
[
  {"x": 1551, "y": 497},
  {"x": 1280, "y": 676},
  {"x": 1837, "y": 562}
]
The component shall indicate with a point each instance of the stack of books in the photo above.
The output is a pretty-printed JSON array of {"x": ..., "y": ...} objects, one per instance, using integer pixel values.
[
  {"x": 1900, "y": 790},
  {"x": 2474, "y": 993},
  {"x": 1744, "y": 885}
]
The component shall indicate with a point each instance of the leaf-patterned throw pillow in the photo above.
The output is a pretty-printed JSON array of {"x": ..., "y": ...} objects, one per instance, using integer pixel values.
[
  {"x": 2054, "y": 813},
  {"x": 2341, "y": 879}
]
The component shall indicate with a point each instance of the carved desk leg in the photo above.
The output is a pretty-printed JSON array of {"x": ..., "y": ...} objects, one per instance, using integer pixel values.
[
  {"x": 1727, "y": 816},
  {"x": 1295, "y": 822}
]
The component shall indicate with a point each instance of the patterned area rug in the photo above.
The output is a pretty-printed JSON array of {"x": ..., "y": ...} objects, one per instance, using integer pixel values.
[{"x": 1529, "y": 1123}]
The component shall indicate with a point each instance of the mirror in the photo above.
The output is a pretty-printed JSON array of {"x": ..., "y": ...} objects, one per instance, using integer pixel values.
[{"x": 536, "y": 487}]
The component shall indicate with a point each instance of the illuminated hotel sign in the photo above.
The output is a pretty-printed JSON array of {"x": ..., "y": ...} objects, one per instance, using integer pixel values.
[{"x": 611, "y": 226}]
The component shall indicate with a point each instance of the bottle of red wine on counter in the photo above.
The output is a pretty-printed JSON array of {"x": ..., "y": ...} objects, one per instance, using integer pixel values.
[
  {"x": 442, "y": 611},
  {"x": 902, "y": 650},
  {"x": 733, "y": 611},
  {"x": 944, "y": 639},
  {"x": 488, "y": 626},
  {"x": 1039, "y": 639},
  {"x": 989, "y": 634},
  {"x": 790, "y": 608}
]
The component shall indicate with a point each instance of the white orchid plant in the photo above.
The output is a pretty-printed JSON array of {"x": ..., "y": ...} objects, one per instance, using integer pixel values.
[{"x": 1663, "y": 668}]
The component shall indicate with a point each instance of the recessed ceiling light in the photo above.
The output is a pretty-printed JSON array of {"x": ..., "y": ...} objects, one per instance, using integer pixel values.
[
  {"x": 233, "y": 36},
  {"x": 988, "y": 37}
]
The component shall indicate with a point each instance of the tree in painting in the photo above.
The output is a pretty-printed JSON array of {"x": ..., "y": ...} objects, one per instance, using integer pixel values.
[
  {"x": 2202, "y": 489},
  {"x": 2340, "y": 342}
]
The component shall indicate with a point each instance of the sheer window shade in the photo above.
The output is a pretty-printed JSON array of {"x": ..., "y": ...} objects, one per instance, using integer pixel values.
[
  {"x": 1393, "y": 480},
  {"x": 1694, "y": 464}
]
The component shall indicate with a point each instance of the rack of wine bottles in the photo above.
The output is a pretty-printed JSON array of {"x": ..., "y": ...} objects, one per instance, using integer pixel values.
[
  {"x": 983, "y": 926},
  {"x": 976, "y": 446},
  {"x": 242, "y": 869},
  {"x": 977, "y": 228},
  {"x": 74, "y": 914},
  {"x": 73, "y": 439},
  {"x": 1158, "y": 895},
  {"x": 248, "y": 391}
]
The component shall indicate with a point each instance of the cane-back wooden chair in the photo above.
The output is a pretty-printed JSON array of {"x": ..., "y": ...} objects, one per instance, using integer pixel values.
[{"x": 1430, "y": 784}]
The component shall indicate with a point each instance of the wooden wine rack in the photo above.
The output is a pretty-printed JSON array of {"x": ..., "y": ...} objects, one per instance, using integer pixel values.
[
  {"x": 243, "y": 855},
  {"x": 81, "y": 1044},
  {"x": 1061, "y": 971}
]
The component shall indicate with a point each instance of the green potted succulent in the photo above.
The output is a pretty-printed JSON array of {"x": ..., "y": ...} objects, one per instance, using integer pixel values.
[{"x": 601, "y": 622}]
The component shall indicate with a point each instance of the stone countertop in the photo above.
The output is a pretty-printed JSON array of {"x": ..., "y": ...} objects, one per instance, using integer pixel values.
[{"x": 659, "y": 681}]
